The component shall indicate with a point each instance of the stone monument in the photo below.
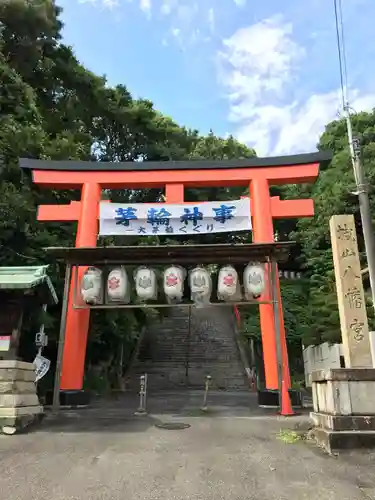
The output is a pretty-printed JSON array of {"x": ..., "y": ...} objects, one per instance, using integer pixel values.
[{"x": 344, "y": 398}]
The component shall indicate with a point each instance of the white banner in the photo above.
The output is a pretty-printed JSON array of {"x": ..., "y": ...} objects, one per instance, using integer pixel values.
[
  {"x": 42, "y": 365},
  {"x": 164, "y": 219}
]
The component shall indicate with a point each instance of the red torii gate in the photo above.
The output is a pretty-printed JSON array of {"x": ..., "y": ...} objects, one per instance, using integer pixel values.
[{"x": 91, "y": 177}]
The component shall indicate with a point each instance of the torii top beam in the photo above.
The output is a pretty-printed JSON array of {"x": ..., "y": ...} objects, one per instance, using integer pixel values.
[{"x": 278, "y": 170}]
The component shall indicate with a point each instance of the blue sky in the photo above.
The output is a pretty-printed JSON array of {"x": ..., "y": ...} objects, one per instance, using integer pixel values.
[{"x": 264, "y": 71}]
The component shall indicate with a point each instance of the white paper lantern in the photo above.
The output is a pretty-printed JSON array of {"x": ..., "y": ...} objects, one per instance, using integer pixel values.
[
  {"x": 118, "y": 289},
  {"x": 227, "y": 286},
  {"x": 200, "y": 286},
  {"x": 173, "y": 282},
  {"x": 92, "y": 286},
  {"x": 145, "y": 283},
  {"x": 254, "y": 280}
]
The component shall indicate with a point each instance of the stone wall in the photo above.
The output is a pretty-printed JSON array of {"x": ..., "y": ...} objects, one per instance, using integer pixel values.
[
  {"x": 19, "y": 403},
  {"x": 320, "y": 357}
]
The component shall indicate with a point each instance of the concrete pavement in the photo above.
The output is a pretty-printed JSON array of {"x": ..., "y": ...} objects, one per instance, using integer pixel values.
[{"x": 220, "y": 456}]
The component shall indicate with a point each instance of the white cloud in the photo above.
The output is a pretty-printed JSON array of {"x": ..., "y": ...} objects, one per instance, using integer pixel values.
[
  {"x": 211, "y": 19},
  {"x": 176, "y": 32},
  {"x": 258, "y": 66},
  {"x": 186, "y": 28},
  {"x": 186, "y": 12},
  {"x": 107, "y": 4},
  {"x": 240, "y": 3},
  {"x": 195, "y": 19},
  {"x": 145, "y": 5},
  {"x": 260, "y": 59},
  {"x": 111, "y": 4},
  {"x": 296, "y": 127},
  {"x": 166, "y": 7}
]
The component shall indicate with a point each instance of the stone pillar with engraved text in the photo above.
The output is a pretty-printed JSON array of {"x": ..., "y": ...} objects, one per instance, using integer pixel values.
[
  {"x": 350, "y": 294},
  {"x": 344, "y": 403}
]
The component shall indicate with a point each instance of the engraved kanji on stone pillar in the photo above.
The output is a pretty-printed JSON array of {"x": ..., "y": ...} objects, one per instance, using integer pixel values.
[{"x": 350, "y": 294}]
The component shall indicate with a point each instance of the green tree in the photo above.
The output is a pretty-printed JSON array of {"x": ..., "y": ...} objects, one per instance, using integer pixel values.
[{"x": 332, "y": 194}]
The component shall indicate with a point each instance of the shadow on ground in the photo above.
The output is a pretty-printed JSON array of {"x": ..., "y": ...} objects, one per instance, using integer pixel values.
[{"x": 120, "y": 415}]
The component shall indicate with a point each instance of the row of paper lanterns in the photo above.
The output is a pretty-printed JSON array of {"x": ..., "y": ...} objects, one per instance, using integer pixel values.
[{"x": 117, "y": 286}]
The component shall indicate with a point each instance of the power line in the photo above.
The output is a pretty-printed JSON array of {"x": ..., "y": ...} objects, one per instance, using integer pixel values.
[
  {"x": 340, "y": 52},
  {"x": 355, "y": 153},
  {"x": 340, "y": 36},
  {"x": 345, "y": 68}
]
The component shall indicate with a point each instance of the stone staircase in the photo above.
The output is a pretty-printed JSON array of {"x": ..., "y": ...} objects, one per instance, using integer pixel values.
[{"x": 181, "y": 349}]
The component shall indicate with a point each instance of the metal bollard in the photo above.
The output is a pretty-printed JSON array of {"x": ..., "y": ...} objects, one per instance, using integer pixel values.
[
  {"x": 145, "y": 392},
  {"x": 207, "y": 386},
  {"x": 142, "y": 396}
]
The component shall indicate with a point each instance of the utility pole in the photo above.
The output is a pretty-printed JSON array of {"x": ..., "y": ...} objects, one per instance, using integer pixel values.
[
  {"x": 364, "y": 203},
  {"x": 355, "y": 153}
]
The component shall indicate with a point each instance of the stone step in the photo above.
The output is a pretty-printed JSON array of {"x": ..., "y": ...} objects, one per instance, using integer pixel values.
[
  {"x": 157, "y": 368},
  {"x": 175, "y": 343},
  {"x": 139, "y": 369},
  {"x": 183, "y": 358},
  {"x": 201, "y": 373},
  {"x": 165, "y": 364},
  {"x": 155, "y": 380},
  {"x": 196, "y": 351},
  {"x": 206, "y": 346},
  {"x": 192, "y": 347}
]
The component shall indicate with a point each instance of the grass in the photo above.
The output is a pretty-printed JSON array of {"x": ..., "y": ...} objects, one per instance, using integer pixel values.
[{"x": 288, "y": 436}]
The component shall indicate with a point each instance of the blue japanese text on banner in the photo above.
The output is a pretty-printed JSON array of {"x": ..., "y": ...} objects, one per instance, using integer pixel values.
[{"x": 164, "y": 219}]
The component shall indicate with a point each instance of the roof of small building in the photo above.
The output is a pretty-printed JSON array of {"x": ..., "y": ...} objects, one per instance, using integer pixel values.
[{"x": 28, "y": 278}]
